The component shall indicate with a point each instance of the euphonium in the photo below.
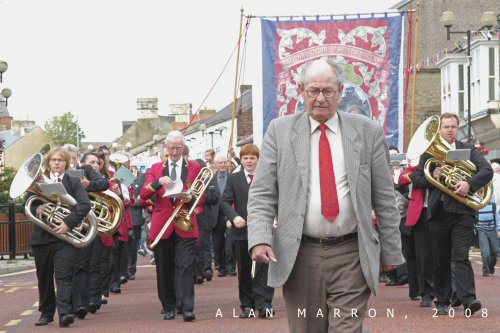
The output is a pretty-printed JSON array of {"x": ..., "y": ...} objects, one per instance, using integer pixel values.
[
  {"x": 180, "y": 218},
  {"x": 108, "y": 209},
  {"x": 55, "y": 207},
  {"x": 427, "y": 139}
]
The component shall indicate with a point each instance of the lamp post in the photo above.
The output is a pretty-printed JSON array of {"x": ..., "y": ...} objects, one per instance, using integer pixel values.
[
  {"x": 3, "y": 68},
  {"x": 488, "y": 19},
  {"x": 6, "y": 93}
]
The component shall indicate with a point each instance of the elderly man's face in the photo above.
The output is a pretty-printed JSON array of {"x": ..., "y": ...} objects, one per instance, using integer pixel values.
[
  {"x": 321, "y": 80},
  {"x": 175, "y": 149}
]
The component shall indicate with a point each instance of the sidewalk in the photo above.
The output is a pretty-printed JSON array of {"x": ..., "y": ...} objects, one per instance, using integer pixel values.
[{"x": 16, "y": 265}]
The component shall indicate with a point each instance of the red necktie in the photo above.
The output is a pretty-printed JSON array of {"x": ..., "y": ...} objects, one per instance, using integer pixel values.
[
  {"x": 58, "y": 180},
  {"x": 251, "y": 179},
  {"x": 329, "y": 200}
]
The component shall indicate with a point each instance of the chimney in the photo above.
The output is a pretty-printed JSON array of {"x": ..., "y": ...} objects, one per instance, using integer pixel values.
[{"x": 206, "y": 114}]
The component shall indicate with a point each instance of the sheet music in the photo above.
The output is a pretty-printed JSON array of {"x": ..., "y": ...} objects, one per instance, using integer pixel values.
[
  {"x": 175, "y": 190},
  {"x": 52, "y": 188},
  {"x": 124, "y": 176}
]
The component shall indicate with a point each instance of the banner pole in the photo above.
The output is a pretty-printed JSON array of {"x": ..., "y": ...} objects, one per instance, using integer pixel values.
[{"x": 415, "y": 58}]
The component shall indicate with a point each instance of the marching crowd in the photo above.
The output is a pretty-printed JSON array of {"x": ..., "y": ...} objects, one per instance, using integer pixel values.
[{"x": 313, "y": 210}]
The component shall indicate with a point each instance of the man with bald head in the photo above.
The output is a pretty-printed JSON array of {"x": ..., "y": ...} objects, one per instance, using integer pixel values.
[{"x": 320, "y": 174}]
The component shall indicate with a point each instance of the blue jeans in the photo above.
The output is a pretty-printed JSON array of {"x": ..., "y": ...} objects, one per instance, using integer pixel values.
[{"x": 488, "y": 242}]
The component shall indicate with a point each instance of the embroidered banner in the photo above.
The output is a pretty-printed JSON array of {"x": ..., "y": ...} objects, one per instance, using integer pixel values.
[{"x": 369, "y": 50}]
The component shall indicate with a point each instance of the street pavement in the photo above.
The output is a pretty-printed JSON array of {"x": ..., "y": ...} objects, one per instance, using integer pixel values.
[{"x": 137, "y": 308}]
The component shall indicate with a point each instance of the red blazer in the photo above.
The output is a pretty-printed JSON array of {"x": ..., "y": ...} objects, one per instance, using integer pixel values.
[
  {"x": 164, "y": 207},
  {"x": 416, "y": 198}
]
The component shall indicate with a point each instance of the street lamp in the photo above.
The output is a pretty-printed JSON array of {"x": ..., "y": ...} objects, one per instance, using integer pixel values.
[
  {"x": 6, "y": 93},
  {"x": 448, "y": 19},
  {"x": 3, "y": 68}
]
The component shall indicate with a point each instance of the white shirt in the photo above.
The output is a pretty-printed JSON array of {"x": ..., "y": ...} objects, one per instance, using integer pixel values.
[
  {"x": 53, "y": 177},
  {"x": 315, "y": 224},
  {"x": 246, "y": 175}
]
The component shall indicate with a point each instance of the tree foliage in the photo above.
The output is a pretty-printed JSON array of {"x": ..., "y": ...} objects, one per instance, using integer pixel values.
[
  {"x": 5, "y": 181},
  {"x": 62, "y": 130}
]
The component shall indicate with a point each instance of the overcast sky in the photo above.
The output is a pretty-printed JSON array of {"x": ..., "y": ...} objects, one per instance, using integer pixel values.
[{"x": 94, "y": 58}]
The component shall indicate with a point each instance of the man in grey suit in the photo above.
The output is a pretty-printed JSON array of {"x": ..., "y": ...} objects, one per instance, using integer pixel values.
[{"x": 325, "y": 253}]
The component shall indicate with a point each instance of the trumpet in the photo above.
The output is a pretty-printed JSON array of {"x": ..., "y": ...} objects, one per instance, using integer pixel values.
[{"x": 180, "y": 218}]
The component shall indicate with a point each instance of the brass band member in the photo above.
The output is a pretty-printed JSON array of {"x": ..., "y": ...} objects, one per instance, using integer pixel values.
[
  {"x": 53, "y": 256},
  {"x": 175, "y": 243}
]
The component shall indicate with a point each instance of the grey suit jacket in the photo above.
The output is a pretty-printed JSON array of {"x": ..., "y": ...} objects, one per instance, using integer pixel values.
[{"x": 279, "y": 189}]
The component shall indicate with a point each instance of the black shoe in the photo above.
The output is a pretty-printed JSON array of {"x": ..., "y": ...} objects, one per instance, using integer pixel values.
[
  {"x": 66, "y": 320},
  {"x": 104, "y": 300},
  {"x": 267, "y": 313},
  {"x": 455, "y": 303},
  {"x": 199, "y": 280},
  {"x": 391, "y": 283},
  {"x": 426, "y": 301},
  {"x": 247, "y": 313},
  {"x": 441, "y": 309},
  {"x": 44, "y": 320},
  {"x": 92, "y": 307},
  {"x": 402, "y": 281},
  {"x": 232, "y": 273},
  {"x": 189, "y": 316},
  {"x": 123, "y": 279},
  {"x": 131, "y": 277},
  {"x": 81, "y": 312},
  {"x": 169, "y": 315},
  {"x": 115, "y": 290},
  {"x": 492, "y": 270},
  {"x": 208, "y": 275},
  {"x": 472, "y": 307}
]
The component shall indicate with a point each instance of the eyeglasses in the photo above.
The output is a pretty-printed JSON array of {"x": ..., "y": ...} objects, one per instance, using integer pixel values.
[
  {"x": 314, "y": 92},
  {"x": 56, "y": 160},
  {"x": 174, "y": 148}
]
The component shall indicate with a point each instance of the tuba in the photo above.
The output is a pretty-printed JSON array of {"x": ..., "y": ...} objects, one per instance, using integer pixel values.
[
  {"x": 55, "y": 207},
  {"x": 427, "y": 139},
  {"x": 180, "y": 218}
]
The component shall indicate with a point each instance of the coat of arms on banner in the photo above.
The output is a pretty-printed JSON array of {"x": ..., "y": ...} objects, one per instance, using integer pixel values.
[{"x": 368, "y": 49}]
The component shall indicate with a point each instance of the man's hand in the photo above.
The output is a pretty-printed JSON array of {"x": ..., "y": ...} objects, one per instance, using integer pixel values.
[
  {"x": 61, "y": 228},
  {"x": 239, "y": 222},
  {"x": 462, "y": 188},
  {"x": 388, "y": 267},
  {"x": 229, "y": 225},
  {"x": 263, "y": 253},
  {"x": 166, "y": 181},
  {"x": 85, "y": 183},
  {"x": 436, "y": 173}
]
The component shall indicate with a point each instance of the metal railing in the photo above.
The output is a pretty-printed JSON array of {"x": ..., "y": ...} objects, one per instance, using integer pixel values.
[{"x": 15, "y": 233}]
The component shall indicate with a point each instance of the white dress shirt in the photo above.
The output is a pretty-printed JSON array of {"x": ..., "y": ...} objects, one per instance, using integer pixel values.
[{"x": 315, "y": 224}]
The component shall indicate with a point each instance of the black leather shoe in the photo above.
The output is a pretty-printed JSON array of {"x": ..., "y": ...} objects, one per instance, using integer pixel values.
[
  {"x": 441, "y": 310},
  {"x": 266, "y": 313},
  {"x": 92, "y": 307},
  {"x": 426, "y": 301},
  {"x": 231, "y": 272},
  {"x": 131, "y": 277},
  {"x": 115, "y": 290},
  {"x": 455, "y": 303},
  {"x": 81, "y": 312},
  {"x": 247, "y": 313},
  {"x": 472, "y": 307},
  {"x": 402, "y": 281},
  {"x": 66, "y": 320},
  {"x": 104, "y": 300},
  {"x": 208, "y": 275},
  {"x": 189, "y": 316},
  {"x": 199, "y": 280},
  {"x": 123, "y": 279},
  {"x": 44, "y": 320},
  {"x": 169, "y": 315},
  {"x": 222, "y": 274},
  {"x": 391, "y": 283}
]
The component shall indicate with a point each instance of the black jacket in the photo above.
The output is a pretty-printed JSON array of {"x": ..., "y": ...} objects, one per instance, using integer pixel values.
[
  {"x": 236, "y": 192},
  {"x": 74, "y": 188},
  {"x": 97, "y": 183}
]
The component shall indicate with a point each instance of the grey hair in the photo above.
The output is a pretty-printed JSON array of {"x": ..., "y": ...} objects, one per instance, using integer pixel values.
[
  {"x": 336, "y": 68},
  {"x": 71, "y": 147},
  {"x": 174, "y": 135},
  {"x": 220, "y": 158}
]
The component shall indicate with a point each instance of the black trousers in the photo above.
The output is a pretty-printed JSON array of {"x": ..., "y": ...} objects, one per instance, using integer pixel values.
[
  {"x": 133, "y": 247},
  {"x": 253, "y": 293},
  {"x": 203, "y": 252},
  {"x": 166, "y": 252},
  {"x": 119, "y": 262},
  {"x": 81, "y": 278},
  {"x": 423, "y": 253},
  {"x": 54, "y": 260},
  {"x": 452, "y": 236},
  {"x": 97, "y": 254},
  {"x": 220, "y": 249}
]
